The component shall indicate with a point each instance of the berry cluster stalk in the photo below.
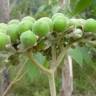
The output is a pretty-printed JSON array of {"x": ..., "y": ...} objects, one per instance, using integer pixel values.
[{"x": 52, "y": 84}]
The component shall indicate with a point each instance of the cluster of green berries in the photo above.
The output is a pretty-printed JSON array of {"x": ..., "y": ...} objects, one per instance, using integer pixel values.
[{"x": 28, "y": 30}]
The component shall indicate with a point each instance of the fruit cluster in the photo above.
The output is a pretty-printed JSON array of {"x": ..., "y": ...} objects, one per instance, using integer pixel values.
[{"x": 27, "y": 31}]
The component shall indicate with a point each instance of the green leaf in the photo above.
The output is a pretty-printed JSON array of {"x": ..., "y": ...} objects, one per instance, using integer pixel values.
[
  {"x": 81, "y": 55},
  {"x": 40, "y": 58},
  {"x": 81, "y": 6},
  {"x": 32, "y": 71},
  {"x": 76, "y": 55},
  {"x": 87, "y": 58}
]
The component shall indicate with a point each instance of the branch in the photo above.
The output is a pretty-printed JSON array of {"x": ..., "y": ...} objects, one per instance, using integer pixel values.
[
  {"x": 1, "y": 71},
  {"x": 16, "y": 79},
  {"x": 91, "y": 42},
  {"x": 12, "y": 83},
  {"x": 40, "y": 66},
  {"x": 53, "y": 52},
  {"x": 64, "y": 51},
  {"x": 52, "y": 84}
]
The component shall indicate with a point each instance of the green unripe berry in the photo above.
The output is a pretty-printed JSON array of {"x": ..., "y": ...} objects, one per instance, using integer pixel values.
[
  {"x": 41, "y": 28},
  {"x": 13, "y": 32},
  {"x": 28, "y": 39},
  {"x": 49, "y": 21},
  {"x": 77, "y": 22},
  {"x": 14, "y": 21},
  {"x": 57, "y": 15},
  {"x": 90, "y": 25},
  {"x": 25, "y": 25},
  {"x": 29, "y": 18},
  {"x": 4, "y": 41},
  {"x": 60, "y": 23}
]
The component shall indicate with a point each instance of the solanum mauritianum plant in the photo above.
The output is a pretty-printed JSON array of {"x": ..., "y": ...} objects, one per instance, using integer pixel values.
[{"x": 26, "y": 37}]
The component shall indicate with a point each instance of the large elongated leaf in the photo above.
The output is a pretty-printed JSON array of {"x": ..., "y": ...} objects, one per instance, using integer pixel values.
[{"x": 81, "y": 6}]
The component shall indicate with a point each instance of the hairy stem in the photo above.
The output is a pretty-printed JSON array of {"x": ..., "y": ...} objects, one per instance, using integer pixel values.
[
  {"x": 40, "y": 66},
  {"x": 52, "y": 84},
  {"x": 12, "y": 83},
  {"x": 64, "y": 52},
  {"x": 53, "y": 52},
  {"x": 48, "y": 72},
  {"x": 18, "y": 77}
]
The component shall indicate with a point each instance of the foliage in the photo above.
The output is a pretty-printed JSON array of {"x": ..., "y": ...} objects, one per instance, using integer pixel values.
[{"x": 83, "y": 54}]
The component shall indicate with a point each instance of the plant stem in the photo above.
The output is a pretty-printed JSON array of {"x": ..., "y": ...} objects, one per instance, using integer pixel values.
[
  {"x": 40, "y": 66},
  {"x": 64, "y": 52},
  {"x": 48, "y": 72},
  {"x": 52, "y": 84},
  {"x": 18, "y": 77}
]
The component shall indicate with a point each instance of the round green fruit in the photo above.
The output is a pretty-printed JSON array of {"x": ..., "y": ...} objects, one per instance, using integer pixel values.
[
  {"x": 28, "y": 39},
  {"x": 13, "y": 32},
  {"x": 77, "y": 22},
  {"x": 29, "y": 18},
  {"x": 41, "y": 28},
  {"x": 57, "y": 15},
  {"x": 4, "y": 40},
  {"x": 60, "y": 23},
  {"x": 90, "y": 25},
  {"x": 49, "y": 21},
  {"x": 25, "y": 25},
  {"x": 3, "y": 28},
  {"x": 14, "y": 21}
]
